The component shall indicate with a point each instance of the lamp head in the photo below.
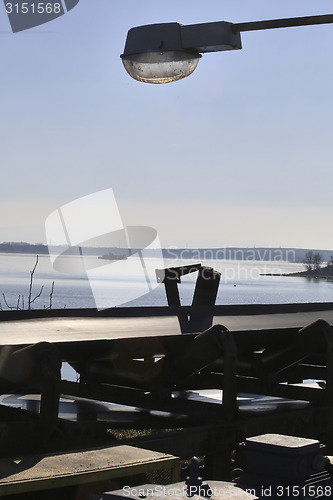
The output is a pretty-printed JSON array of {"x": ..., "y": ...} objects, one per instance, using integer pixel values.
[
  {"x": 154, "y": 54},
  {"x": 162, "y": 53}
]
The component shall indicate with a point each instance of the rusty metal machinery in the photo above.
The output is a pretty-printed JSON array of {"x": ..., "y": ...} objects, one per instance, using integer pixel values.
[
  {"x": 271, "y": 363},
  {"x": 214, "y": 359},
  {"x": 273, "y": 466},
  {"x": 161, "y": 373},
  {"x": 167, "y": 372}
]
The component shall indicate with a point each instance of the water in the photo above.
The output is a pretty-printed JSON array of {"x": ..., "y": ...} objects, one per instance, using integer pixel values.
[{"x": 241, "y": 283}]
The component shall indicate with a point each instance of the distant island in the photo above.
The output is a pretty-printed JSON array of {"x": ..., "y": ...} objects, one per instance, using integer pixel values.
[
  {"x": 325, "y": 272},
  {"x": 314, "y": 268}
]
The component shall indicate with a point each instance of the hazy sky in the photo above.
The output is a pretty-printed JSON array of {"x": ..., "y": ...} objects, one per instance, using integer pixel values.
[{"x": 239, "y": 153}]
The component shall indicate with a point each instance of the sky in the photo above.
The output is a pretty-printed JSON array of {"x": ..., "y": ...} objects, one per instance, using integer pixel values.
[{"x": 237, "y": 154}]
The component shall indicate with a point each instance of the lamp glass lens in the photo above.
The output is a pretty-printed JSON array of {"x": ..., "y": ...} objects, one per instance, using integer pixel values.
[{"x": 160, "y": 67}]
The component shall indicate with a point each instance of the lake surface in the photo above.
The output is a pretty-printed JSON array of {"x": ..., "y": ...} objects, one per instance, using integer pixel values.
[{"x": 241, "y": 283}]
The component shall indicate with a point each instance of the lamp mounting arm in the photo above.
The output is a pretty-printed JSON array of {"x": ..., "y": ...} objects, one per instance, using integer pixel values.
[{"x": 282, "y": 23}]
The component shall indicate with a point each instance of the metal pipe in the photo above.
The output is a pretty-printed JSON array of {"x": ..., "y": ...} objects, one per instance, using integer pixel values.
[
  {"x": 309, "y": 340},
  {"x": 282, "y": 23}
]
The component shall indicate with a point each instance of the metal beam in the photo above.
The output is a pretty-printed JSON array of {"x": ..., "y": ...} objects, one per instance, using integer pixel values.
[{"x": 282, "y": 23}]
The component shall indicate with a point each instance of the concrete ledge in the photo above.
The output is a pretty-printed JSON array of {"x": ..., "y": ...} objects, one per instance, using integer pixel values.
[{"x": 42, "y": 472}]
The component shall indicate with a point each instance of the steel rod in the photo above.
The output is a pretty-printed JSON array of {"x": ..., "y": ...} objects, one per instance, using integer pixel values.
[{"x": 283, "y": 23}]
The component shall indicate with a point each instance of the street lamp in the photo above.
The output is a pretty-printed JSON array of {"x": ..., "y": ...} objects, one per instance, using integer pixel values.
[{"x": 167, "y": 52}]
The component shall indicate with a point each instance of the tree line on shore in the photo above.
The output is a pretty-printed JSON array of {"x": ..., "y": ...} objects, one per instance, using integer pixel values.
[{"x": 314, "y": 264}]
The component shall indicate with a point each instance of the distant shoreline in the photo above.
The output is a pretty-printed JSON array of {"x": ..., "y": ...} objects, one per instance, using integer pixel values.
[
  {"x": 325, "y": 273},
  {"x": 271, "y": 254}
]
